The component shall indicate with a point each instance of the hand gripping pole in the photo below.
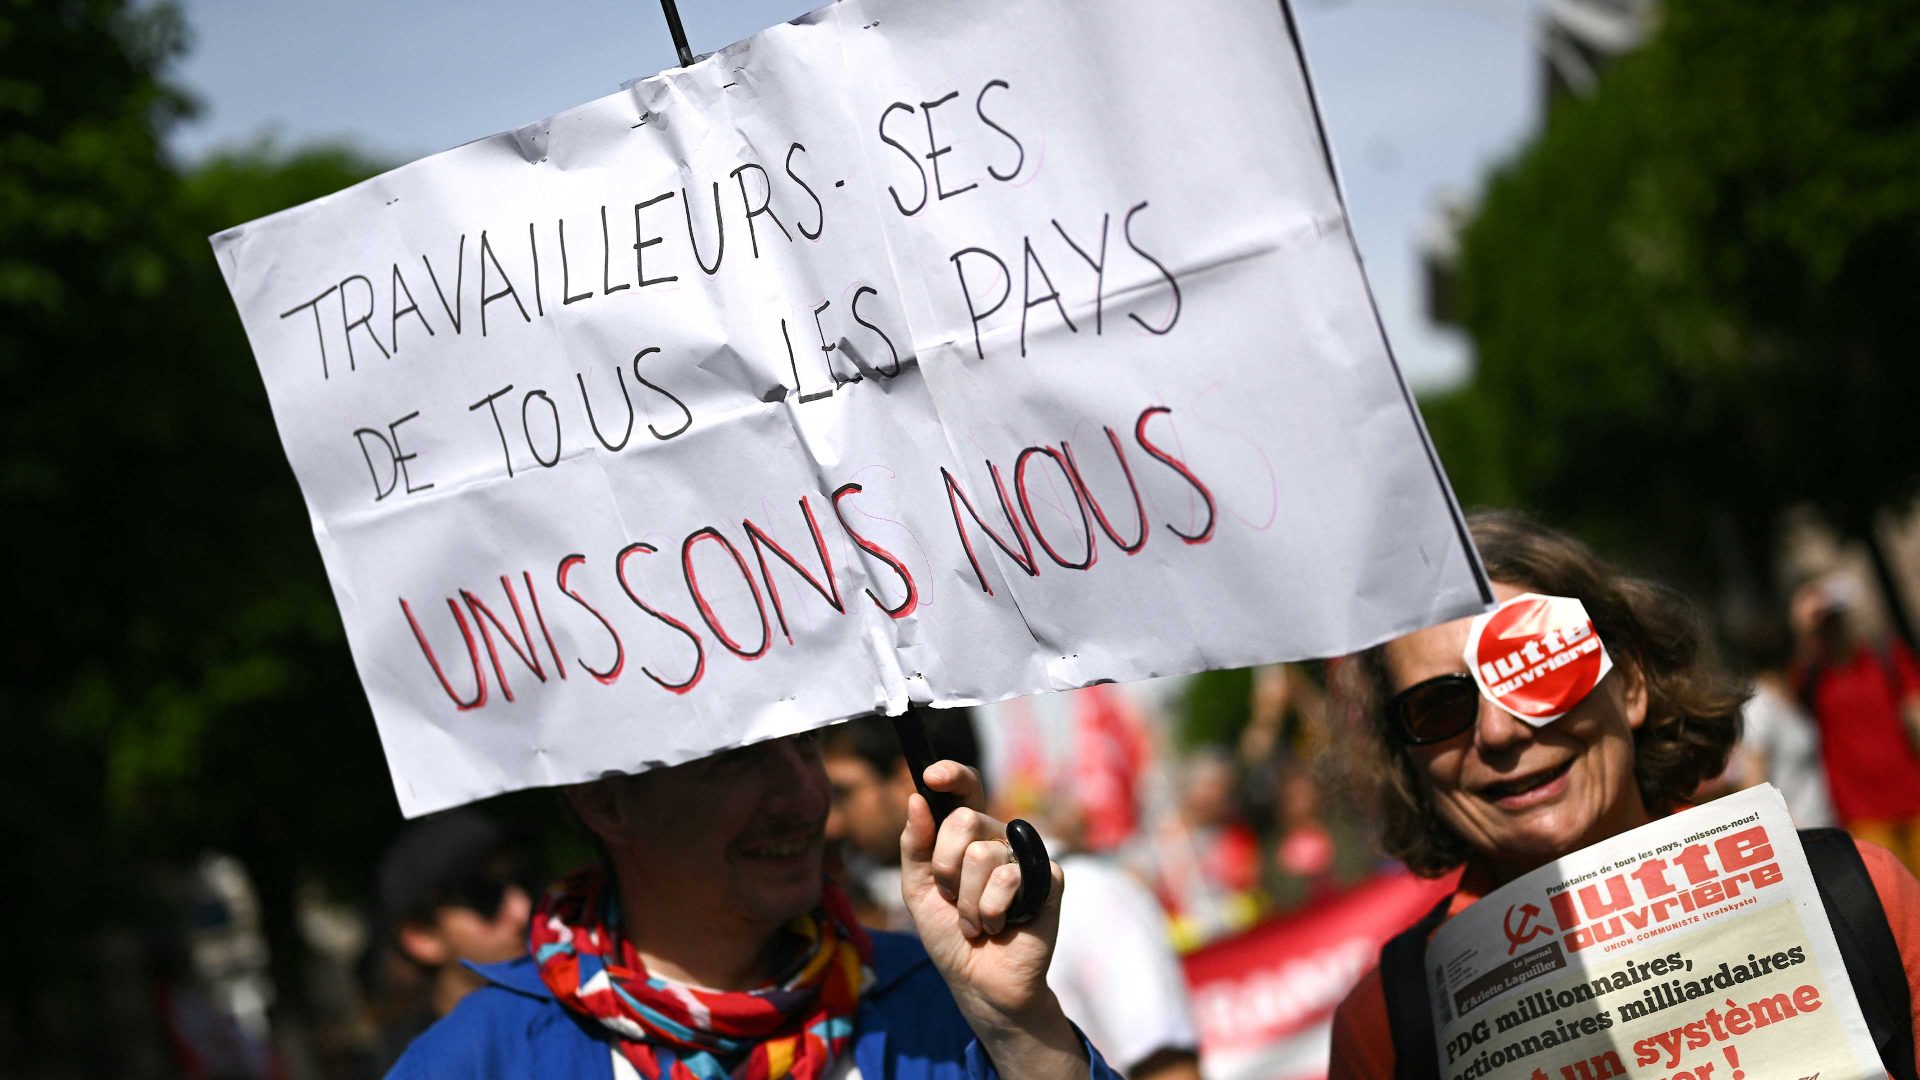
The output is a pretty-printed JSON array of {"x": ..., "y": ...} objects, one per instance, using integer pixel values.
[{"x": 1029, "y": 851}]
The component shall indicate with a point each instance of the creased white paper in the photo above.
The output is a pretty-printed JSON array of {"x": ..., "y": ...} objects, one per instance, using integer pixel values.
[{"x": 911, "y": 350}]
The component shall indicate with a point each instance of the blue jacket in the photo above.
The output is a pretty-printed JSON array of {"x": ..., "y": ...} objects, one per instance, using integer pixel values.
[{"x": 907, "y": 1028}]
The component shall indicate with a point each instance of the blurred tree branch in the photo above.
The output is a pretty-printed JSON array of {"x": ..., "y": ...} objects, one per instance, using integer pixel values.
[{"x": 175, "y": 677}]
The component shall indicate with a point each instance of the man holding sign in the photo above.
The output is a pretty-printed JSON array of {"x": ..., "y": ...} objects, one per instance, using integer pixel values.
[
  {"x": 912, "y": 351},
  {"x": 705, "y": 946}
]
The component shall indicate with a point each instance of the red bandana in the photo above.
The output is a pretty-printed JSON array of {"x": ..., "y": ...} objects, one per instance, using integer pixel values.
[{"x": 795, "y": 1027}]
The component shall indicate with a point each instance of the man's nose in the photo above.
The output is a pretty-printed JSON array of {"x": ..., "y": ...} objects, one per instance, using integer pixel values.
[{"x": 796, "y": 778}]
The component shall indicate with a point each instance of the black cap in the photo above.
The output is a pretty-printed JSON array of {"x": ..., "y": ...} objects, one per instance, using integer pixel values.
[{"x": 431, "y": 861}]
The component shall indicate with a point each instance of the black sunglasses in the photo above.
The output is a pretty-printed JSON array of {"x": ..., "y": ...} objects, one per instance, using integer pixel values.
[{"x": 1435, "y": 710}]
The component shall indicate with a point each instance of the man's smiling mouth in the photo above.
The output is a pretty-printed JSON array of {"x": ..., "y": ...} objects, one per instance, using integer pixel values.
[{"x": 785, "y": 847}]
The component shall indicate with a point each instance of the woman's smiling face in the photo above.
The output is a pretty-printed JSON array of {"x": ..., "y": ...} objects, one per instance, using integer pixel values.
[{"x": 1522, "y": 796}]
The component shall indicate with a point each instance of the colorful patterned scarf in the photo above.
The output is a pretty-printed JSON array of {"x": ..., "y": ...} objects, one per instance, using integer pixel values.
[{"x": 796, "y": 1027}]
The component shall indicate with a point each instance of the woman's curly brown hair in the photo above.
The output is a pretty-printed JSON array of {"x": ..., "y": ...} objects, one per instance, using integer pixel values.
[{"x": 1693, "y": 704}]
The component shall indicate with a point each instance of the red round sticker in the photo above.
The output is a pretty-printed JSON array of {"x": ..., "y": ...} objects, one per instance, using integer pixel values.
[{"x": 1537, "y": 656}]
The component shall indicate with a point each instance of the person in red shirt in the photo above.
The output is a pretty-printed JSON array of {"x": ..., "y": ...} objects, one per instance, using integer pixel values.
[{"x": 1866, "y": 698}]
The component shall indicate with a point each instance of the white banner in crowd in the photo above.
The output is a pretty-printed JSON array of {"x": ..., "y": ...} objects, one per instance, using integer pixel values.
[
  {"x": 912, "y": 350},
  {"x": 1695, "y": 947}
]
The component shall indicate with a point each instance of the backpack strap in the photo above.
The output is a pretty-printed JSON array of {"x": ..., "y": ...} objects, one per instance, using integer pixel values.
[
  {"x": 1867, "y": 945},
  {"x": 1403, "y": 980}
]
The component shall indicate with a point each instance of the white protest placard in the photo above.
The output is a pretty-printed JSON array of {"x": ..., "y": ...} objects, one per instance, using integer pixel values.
[
  {"x": 913, "y": 350},
  {"x": 1695, "y": 947}
]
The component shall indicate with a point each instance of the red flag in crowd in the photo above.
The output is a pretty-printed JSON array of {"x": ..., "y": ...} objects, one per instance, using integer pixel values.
[
  {"x": 1263, "y": 1001},
  {"x": 1111, "y": 750}
]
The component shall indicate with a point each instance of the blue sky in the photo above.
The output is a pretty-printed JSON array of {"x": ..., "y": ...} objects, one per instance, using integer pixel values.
[{"x": 1420, "y": 96}]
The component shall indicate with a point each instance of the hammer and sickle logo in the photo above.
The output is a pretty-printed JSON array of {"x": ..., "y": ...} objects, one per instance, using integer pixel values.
[{"x": 1527, "y": 929}]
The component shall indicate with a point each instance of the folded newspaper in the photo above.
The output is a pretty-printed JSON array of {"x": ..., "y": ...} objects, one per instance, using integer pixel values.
[{"x": 1695, "y": 946}]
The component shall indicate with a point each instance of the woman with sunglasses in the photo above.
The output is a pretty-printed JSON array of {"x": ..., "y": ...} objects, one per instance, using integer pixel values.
[{"x": 1461, "y": 784}]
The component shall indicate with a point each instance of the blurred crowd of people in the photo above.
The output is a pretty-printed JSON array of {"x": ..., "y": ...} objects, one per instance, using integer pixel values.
[{"x": 1834, "y": 720}]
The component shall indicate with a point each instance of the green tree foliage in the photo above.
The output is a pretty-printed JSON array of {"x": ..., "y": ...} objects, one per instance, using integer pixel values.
[
  {"x": 1691, "y": 298},
  {"x": 174, "y": 676},
  {"x": 1216, "y": 709}
]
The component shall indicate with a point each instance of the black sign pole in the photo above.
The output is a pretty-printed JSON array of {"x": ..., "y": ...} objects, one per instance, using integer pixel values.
[
  {"x": 678, "y": 31},
  {"x": 1029, "y": 851}
]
